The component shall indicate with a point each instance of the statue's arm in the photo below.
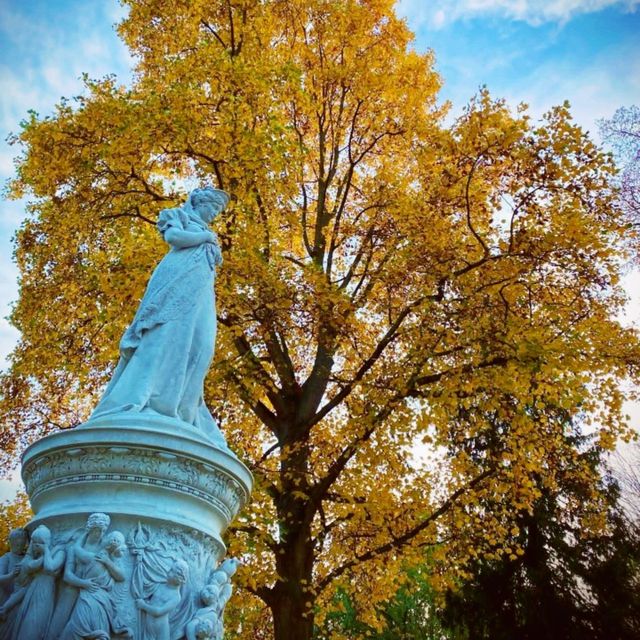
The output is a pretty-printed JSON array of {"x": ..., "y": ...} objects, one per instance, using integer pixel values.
[
  {"x": 116, "y": 573},
  {"x": 182, "y": 239},
  {"x": 163, "y": 609},
  {"x": 190, "y": 630},
  {"x": 31, "y": 565},
  {"x": 4, "y": 567},
  {"x": 53, "y": 561},
  {"x": 14, "y": 599},
  {"x": 69, "y": 576}
]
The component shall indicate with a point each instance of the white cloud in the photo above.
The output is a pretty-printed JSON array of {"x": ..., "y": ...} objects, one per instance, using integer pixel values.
[
  {"x": 441, "y": 12},
  {"x": 593, "y": 91}
]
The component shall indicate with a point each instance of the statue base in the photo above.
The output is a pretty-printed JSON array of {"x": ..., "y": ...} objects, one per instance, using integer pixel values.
[{"x": 168, "y": 491}]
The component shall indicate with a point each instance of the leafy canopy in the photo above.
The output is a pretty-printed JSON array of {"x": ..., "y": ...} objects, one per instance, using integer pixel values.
[{"x": 389, "y": 281}]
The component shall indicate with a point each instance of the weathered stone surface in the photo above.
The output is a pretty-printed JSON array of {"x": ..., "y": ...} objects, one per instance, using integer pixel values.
[{"x": 130, "y": 507}]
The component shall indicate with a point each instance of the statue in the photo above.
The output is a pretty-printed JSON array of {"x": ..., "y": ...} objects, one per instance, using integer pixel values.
[
  {"x": 166, "y": 597},
  {"x": 27, "y": 612},
  {"x": 205, "y": 630},
  {"x": 205, "y": 620},
  {"x": 208, "y": 620},
  {"x": 94, "y": 612},
  {"x": 222, "y": 575},
  {"x": 10, "y": 562},
  {"x": 153, "y": 458},
  {"x": 166, "y": 351},
  {"x": 80, "y": 554}
]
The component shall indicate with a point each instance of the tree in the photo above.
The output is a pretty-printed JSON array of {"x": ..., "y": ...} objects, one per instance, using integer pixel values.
[
  {"x": 561, "y": 578},
  {"x": 381, "y": 271},
  {"x": 412, "y": 614},
  {"x": 564, "y": 579},
  {"x": 13, "y": 514},
  {"x": 622, "y": 132}
]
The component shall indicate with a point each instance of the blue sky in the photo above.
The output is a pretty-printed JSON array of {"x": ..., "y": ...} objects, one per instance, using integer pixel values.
[
  {"x": 591, "y": 59},
  {"x": 535, "y": 51},
  {"x": 541, "y": 52}
]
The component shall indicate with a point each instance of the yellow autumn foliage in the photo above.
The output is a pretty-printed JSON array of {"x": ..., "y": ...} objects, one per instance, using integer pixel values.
[
  {"x": 14, "y": 514},
  {"x": 410, "y": 312}
]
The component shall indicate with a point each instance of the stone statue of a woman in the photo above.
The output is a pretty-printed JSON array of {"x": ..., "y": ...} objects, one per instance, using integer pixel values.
[
  {"x": 166, "y": 351},
  {"x": 27, "y": 612},
  {"x": 94, "y": 613}
]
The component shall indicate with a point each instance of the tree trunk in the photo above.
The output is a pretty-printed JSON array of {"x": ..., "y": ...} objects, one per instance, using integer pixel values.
[
  {"x": 292, "y": 597},
  {"x": 292, "y": 619}
]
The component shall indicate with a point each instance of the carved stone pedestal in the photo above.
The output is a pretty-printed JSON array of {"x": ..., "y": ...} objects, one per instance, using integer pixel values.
[{"x": 145, "y": 565}]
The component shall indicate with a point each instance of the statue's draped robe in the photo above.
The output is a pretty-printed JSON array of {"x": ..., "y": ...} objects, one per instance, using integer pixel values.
[
  {"x": 94, "y": 612},
  {"x": 32, "y": 615},
  {"x": 166, "y": 351}
]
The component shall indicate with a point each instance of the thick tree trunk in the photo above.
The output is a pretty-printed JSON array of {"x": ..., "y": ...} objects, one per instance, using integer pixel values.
[
  {"x": 292, "y": 598},
  {"x": 292, "y": 618}
]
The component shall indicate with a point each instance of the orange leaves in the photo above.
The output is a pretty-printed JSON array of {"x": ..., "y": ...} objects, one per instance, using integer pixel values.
[
  {"x": 14, "y": 515},
  {"x": 387, "y": 281}
]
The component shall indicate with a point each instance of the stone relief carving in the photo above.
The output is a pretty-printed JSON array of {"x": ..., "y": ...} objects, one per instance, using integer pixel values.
[
  {"x": 142, "y": 466},
  {"x": 81, "y": 550},
  {"x": 28, "y": 611},
  {"x": 10, "y": 562},
  {"x": 207, "y": 623},
  {"x": 86, "y": 608},
  {"x": 158, "y": 608},
  {"x": 157, "y": 583},
  {"x": 156, "y": 572}
]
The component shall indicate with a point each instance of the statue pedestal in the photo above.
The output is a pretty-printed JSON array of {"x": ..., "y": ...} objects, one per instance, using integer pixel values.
[{"x": 170, "y": 493}]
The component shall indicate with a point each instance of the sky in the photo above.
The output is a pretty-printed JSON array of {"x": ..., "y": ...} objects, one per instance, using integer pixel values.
[{"x": 533, "y": 51}]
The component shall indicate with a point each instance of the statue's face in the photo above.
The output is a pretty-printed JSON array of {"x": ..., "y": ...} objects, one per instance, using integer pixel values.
[
  {"x": 96, "y": 530},
  {"x": 37, "y": 547},
  {"x": 18, "y": 544},
  {"x": 208, "y": 595},
  {"x": 206, "y": 209}
]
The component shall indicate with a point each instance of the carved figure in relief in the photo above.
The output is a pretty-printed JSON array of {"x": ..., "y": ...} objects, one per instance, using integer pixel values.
[
  {"x": 166, "y": 351},
  {"x": 10, "y": 562},
  {"x": 207, "y": 616},
  {"x": 77, "y": 576},
  {"x": 222, "y": 576},
  {"x": 94, "y": 613},
  {"x": 206, "y": 630},
  {"x": 155, "y": 612},
  {"x": 27, "y": 612}
]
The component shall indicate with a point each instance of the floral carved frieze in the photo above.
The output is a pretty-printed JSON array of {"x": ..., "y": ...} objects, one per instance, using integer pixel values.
[{"x": 142, "y": 466}]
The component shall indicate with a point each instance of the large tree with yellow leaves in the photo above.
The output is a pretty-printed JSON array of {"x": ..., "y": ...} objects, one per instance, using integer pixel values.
[{"x": 394, "y": 293}]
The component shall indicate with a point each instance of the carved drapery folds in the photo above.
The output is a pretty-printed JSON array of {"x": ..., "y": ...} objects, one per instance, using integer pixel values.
[{"x": 148, "y": 583}]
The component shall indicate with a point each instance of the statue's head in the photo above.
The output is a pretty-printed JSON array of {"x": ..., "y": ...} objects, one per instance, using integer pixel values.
[
  {"x": 40, "y": 539},
  {"x": 114, "y": 544},
  {"x": 98, "y": 523},
  {"x": 178, "y": 573},
  {"x": 18, "y": 541},
  {"x": 208, "y": 202},
  {"x": 209, "y": 594},
  {"x": 204, "y": 629}
]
